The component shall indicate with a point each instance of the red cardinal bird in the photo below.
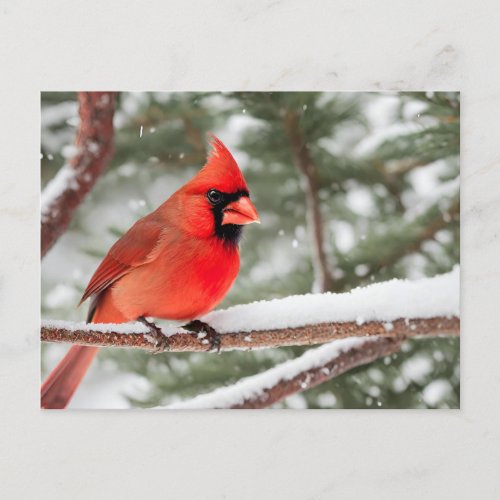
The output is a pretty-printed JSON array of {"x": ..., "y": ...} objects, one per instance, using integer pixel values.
[{"x": 176, "y": 263}]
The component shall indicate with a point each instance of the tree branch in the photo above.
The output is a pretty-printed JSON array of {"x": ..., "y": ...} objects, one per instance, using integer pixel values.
[
  {"x": 323, "y": 278},
  {"x": 179, "y": 340},
  {"x": 305, "y": 372},
  {"x": 72, "y": 183}
]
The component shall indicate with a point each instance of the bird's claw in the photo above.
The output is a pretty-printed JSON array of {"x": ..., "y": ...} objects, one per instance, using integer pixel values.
[
  {"x": 161, "y": 340},
  {"x": 210, "y": 336}
]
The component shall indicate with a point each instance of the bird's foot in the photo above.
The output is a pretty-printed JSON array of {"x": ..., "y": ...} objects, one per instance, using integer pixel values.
[
  {"x": 160, "y": 339},
  {"x": 206, "y": 333}
]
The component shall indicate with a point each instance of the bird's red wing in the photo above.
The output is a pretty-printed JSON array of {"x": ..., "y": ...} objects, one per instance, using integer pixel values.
[{"x": 136, "y": 247}]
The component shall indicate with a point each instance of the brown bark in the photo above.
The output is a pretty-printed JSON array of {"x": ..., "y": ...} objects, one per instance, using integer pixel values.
[
  {"x": 307, "y": 169},
  {"x": 94, "y": 142},
  {"x": 341, "y": 363},
  {"x": 305, "y": 335}
]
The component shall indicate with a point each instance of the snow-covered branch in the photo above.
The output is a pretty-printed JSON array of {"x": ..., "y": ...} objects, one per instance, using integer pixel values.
[
  {"x": 94, "y": 143},
  {"x": 136, "y": 335},
  {"x": 395, "y": 309},
  {"x": 305, "y": 372}
]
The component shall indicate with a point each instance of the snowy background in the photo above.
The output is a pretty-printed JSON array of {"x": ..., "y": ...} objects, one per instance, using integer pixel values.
[{"x": 387, "y": 168}]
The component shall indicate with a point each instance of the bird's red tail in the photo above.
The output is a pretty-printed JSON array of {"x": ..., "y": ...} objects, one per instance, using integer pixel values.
[
  {"x": 60, "y": 385},
  {"x": 63, "y": 381}
]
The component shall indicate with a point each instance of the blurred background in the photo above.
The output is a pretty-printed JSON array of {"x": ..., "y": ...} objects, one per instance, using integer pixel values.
[{"x": 375, "y": 196}]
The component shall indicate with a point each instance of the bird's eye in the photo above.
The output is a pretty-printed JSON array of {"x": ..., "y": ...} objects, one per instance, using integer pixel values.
[{"x": 214, "y": 196}]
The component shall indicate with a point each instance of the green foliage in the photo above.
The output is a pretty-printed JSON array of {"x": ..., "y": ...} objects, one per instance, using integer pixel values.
[{"x": 386, "y": 167}]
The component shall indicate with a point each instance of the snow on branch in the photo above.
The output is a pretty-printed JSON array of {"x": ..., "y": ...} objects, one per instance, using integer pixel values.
[
  {"x": 94, "y": 143},
  {"x": 394, "y": 309},
  {"x": 379, "y": 302},
  {"x": 305, "y": 372}
]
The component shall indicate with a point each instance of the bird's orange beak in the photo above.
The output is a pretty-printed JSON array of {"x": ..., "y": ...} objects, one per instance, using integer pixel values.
[{"x": 240, "y": 212}]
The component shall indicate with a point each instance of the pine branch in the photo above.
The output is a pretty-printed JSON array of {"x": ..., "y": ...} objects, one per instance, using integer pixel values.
[
  {"x": 426, "y": 233},
  {"x": 73, "y": 182},
  {"x": 179, "y": 340},
  {"x": 314, "y": 367},
  {"x": 307, "y": 169}
]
